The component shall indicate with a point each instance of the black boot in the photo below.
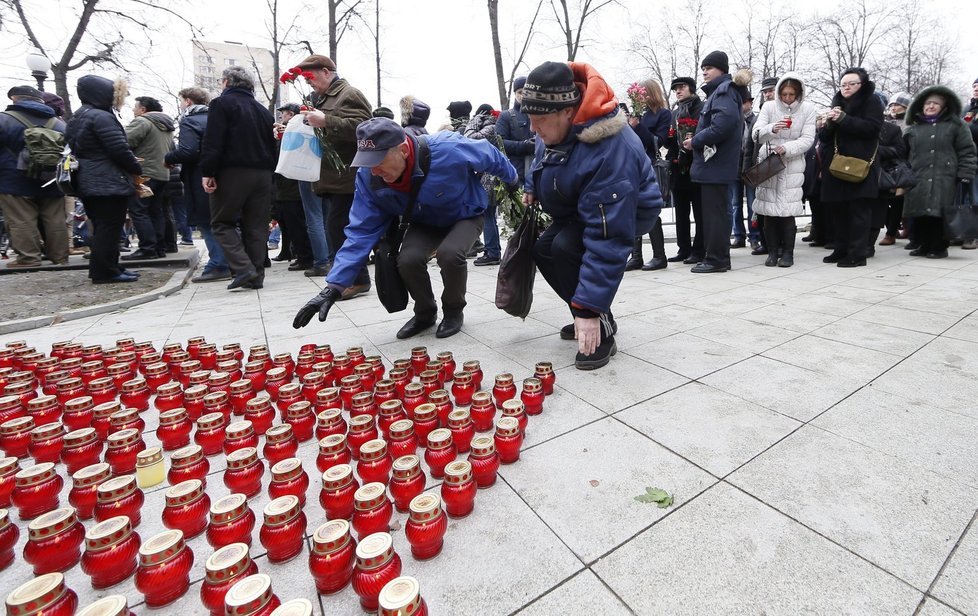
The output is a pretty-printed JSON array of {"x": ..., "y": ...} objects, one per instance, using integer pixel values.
[
  {"x": 874, "y": 235},
  {"x": 772, "y": 238},
  {"x": 788, "y": 234},
  {"x": 635, "y": 262}
]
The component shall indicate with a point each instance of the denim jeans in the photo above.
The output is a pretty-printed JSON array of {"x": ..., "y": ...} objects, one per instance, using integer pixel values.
[
  {"x": 490, "y": 233},
  {"x": 215, "y": 258},
  {"x": 315, "y": 207},
  {"x": 738, "y": 190}
]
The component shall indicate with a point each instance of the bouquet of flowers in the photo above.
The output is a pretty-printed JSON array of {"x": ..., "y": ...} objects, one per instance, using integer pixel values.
[
  {"x": 637, "y": 95},
  {"x": 292, "y": 77}
]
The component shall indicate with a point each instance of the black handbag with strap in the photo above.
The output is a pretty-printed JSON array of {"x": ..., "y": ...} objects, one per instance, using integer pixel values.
[
  {"x": 390, "y": 286},
  {"x": 763, "y": 171}
]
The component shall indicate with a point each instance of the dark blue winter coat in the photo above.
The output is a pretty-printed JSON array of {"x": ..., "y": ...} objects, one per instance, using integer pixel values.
[
  {"x": 513, "y": 126},
  {"x": 193, "y": 126},
  {"x": 721, "y": 125},
  {"x": 451, "y": 192},
  {"x": 653, "y": 130},
  {"x": 14, "y": 181}
]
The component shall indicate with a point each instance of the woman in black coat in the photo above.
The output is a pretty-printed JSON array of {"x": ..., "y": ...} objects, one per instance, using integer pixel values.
[
  {"x": 106, "y": 171},
  {"x": 851, "y": 128},
  {"x": 893, "y": 150}
]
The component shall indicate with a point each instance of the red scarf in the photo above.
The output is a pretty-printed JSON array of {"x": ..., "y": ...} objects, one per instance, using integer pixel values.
[{"x": 403, "y": 184}]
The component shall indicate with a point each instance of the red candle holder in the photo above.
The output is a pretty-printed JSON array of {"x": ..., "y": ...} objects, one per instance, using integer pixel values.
[
  {"x": 15, "y": 436},
  {"x": 284, "y": 360},
  {"x": 44, "y": 409},
  {"x": 329, "y": 422},
  {"x": 431, "y": 380},
  {"x": 402, "y": 597},
  {"x": 223, "y": 569},
  {"x": 47, "y": 441},
  {"x": 240, "y": 434},
  {"x": 79, "y": 413},
  {"x": 102, "y": 418},
  {"x": 216, "y": 402},
  {"x": 323, "y": 352},
  {"x": 407, "y": 481},
  {"x": 90, "y": 370},
  {"x": 36, "y": 490},
  {"x": 312, "y": 382},
  {"x": 113, "y": 605},
  {"x": 288, "y": 477},
  {"x": 284, "y": 529},
  {"x": 374, "y": 464},
  {"x": 156, "y": 375},
  {"x": 193, "y": 401},
  {"x": 230, "y": 521},
  {"x": 9, "y": 533},
  {"x": 326, "y": 367},
  {"x": 46, "y": 595},
  {"x": 462, "y": 388},
  {"x": 210, "y": 433},
  {"x": 333, "y": 557},
  {"x": 355, "y": 353},
  {"x": 207, "y": 355},
  {"x": 401, "y": 378},
  {"x": 244, "y": 472},
  {"x": 125, "y": 419},
  {"x": 174, "y": 429},
  {"x": 462, "y": 429},
  {"x": 426, "y": 526},
  {"x": 119, "y": 496},
  {"x": 111, "y": 548},
  {"x": 482, "y": 411},
  {"x": 544, "y": 371},
  {"x": 504, "y": 389},
  {"x": 9, "y": 467},
  {"x": 254, "y": 371},
  {"x": 240, "y": 392},
  {"x": 280, "y": 443},
  {"x": 188, "y": 463},
  {"x": 414, "y": 396},
  {"x": 350, "y": 386},
  {"x": 402, "y": 441},
  {"x": 363, "y": 404},
  {"x": 54, "y": 541},
  {"x": 10, "y": 408},
  {"x": 289, "y": 394},
  {"x": 68, "y": 389},
  {"x": 339, "y": 490},
  {"x": 419, "y": 359},
  {"x": 384, "y": 391},
  {"x": 365, "y": 373},
  {"x": 304, "y": 364},
  {"x": 120, "y": 374},
  {"x": 274, "y": 380},
  {"x": 251, "y": 596},
  {"x": 387, "y": 413},
  {"x": 342, "y": 366},
  {"x": 425, "y": 421},
  {"x": 443, "y": 405},
  {"x": 377, "y": 564},
  {"x": 514, "y": 408},
  {"x": 300, "y": 416},
  {"x": 49, "y": 382},
  {"x": 328, "y": 398},
  {"x": 475, "y": 369},
  {"x": 169, "y": 396},
  {"x": 440, "y": 452},
  {"x": 372, "y": 510},
  {"x": 163, "y": 575},
  {"x": 259, "y": 411},
  {"x": 508, "y": 439},
  {"x": 363, "y": 428},
  {"x": 186, "y": 509},
  {"x": 84, "y": 488},
  {"x": 458, "y": 490},
  {"x": 135, "y": 394},
  {"x": 121, "y": 453}
]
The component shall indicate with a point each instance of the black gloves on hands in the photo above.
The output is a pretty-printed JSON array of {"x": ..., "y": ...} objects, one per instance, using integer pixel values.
[{"x": 321, "y": 304}]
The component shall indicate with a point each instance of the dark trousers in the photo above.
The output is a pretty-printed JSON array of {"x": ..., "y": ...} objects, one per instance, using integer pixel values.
[
  {"x": 559, "y": 253},
  {"x": 337, "y": 218},
  {"x": 894, "y": 214},
  {"x": 450, "y": 244},
  {"x": 929, "y": 233},
  {"x": 658, "y": 240},
  {"x": 686, "y": 198},
  {"x": 169, "y": 227},
  {"x": 149, "y": 219},
  {"x": 716, "y": 224},
  {"x": 243, "y": 195},
  {"x": 851, "y": 220},
  {"x": 823, "y": 227},
  {"x": 779, "y": 234},
  {"x": 107, "y": 215},
  {"x": 295, "y": 238}
]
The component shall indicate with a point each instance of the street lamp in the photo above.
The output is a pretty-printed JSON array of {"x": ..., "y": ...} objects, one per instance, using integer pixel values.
[{"x": 39, "y": 65}]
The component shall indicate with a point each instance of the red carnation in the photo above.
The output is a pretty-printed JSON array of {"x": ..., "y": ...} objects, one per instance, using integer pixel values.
[
  {"x": 308, "y": 75},
  {"x": 295, "y": 70},
  {"x": 285, "y": 78}
]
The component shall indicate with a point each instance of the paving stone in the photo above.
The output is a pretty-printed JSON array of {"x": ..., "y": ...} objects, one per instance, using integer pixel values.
[
  {"x": 688, "y": 355},
  {"x": 623, "y": 382},
  {"x": 833, "y": 358},
  {"x": 582, "y": 593},
  {"x": 958, "y": 584}
]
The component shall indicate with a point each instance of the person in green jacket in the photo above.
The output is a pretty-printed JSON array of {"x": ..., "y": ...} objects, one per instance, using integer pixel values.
[{"x": 150, "y": 135}]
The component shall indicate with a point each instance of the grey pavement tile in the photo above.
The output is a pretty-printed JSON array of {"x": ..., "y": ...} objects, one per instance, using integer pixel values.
[
  {"x": 583, "y": 593},
  {"x": 732, "y": 302},
  {"x": 726, "y": 553},
  {"x": 914, "y": 320},
  {"x": 545, "y": 348},
  {"x": 833, "y": 358},
  {"x": 710, "y": 284},
  {"x": 644, "y": 299},
  {"x": 856, "y": 294},
  {"x": 874, "y": 336},
  {"x": 562, "y": 413},
  {"x": 677, "y": 318},
  {"x": 634, "y": 331},
  {"x": 942, "y": 302},
  {"x": 958, "y": 584},
  {"x": 965, "y": 329},
  {"x": 897, "y": 515},
  {"x": 896, "y": 281},
  {"x": 949, "y": 353},
  {"x": 932, "y": 607},
  {"x": 927, "y": 436},
  {"x": 924, "y": 384},
  {"x": 789, "y": 317},
  {"x": 797, "y": 392},
  {"x": 749, "y": 335},
  {"x": 583, "y": 484},
  {"x": 824, "y": 304},
  {"x": 623, "y": 382},
  {"x": 796, "y": 283},
  {"x": 688, "y": 355},
  {"x": 711, "y": 428}
]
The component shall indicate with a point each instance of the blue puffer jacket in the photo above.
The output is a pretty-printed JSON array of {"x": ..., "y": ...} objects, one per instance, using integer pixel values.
[
  {"x": 451, "y": 192},
  {"x": 193, "y": 126},
  {"x": 13, "y": 181},
  {"x": 514, "y": 127},
  {"x": 721, "y": 126}
]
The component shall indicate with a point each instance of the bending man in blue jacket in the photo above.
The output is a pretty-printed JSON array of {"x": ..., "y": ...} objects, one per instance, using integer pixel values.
[{"x": 447, "y": 218}]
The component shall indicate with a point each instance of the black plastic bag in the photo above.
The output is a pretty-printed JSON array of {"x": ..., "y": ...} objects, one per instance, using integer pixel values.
[
  {"x": 517, "y": 271},
  {"x": 961, "y": 219},
  {"x": 390, "y": 286}
]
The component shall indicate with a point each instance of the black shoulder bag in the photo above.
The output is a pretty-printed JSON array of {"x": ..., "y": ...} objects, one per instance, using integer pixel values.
[{"x": 390, "y": 286}]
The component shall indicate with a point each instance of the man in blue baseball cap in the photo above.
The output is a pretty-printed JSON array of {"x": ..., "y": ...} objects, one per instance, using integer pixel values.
[{"x": 446, "y": 218}]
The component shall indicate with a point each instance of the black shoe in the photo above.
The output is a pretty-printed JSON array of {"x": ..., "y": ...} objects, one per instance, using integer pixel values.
[
  {"x": 318, "y": 271},
  {"x": 786, "y": 261},
  {"x": 141, "y": 255},
  {"x": 213, "y": 276},
  {"x": 486, "y": 260},
  {"x": 911, "y": 246},
  {"x": 738, "y": 244},
  {"x": 693, "y": 259},
  {"x": 771, "y": 261},
  {"x": 708, "y": 268},
  {"x": 114, "y": 279},
  {"x": 807, "y": 238},
  {"x": 282, "y": 256},
  {"x": 918, "y": 252},
  {"x": 634, "y": 263},
  {"x": 655, "y": 263},
  {"x": 760, "y": 250},
  {"x": 851, "y": 263},
  {"x": 241, "y": 280},
  {"x": 815, "y": 245},
  {"x": 413, "y": 328},
  {"x": 257, "y": 283},
  {"x": 677, "y": 258},
  {"x": 835, "y": 257},
  {"x": 449, "y": 326},
  {"x": 600, "y": 357},
  {"x": 567, "y": 331},
  {"x": 937, "y": 254},
  {"x": 298, "y": 266}
]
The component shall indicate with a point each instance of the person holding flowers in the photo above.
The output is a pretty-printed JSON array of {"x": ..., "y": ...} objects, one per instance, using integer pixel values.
[{"x": 650, "y": 119}]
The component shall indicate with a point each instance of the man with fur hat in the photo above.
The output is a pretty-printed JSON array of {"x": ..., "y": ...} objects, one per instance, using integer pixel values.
[
  {"x": 24, "y": 200},
  {"x": 591, "y": 175},
  {"x": 716, "y": 148},
  {"x": 414, "y": 116}
]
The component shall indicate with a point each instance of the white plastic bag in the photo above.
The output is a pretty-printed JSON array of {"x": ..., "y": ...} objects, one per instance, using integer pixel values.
[{"x": 299, "y": 158}]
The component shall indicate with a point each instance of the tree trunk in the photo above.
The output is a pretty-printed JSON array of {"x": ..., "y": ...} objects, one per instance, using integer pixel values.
[
  {"x": 497, "y": 53},
  {"x": 333, "y": 42},
  {"x": 377, "y": 46}
]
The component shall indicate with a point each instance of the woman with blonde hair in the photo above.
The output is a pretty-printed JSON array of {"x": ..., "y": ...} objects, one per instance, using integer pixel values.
[{"x": 652, "y": 127}]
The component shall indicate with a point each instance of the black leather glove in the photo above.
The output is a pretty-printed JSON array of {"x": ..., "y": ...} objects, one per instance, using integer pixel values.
[
  {"x": 514, "y": 185},
  {"x": 321, "y": 304}
]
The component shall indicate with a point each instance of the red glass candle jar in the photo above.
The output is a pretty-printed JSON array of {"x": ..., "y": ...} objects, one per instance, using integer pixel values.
[
  {"x": 339, "y": 489},
  {"x": 240, "y": 434},
  {"x": 207, "y": 356},
  {"x": 462, "y": 429},
  {"x": 372, "y": 510},
  {"x": 79, "y": 413},
  {"x": 174, "y": 429},
  {"x": 329, "y": 422},
  {"x": 46, "y": 595},
  {"x": 355, "y": 353},
  {"x": 475, "y": 369},
  {"x": 217, "y": 402},
  {"x": 284, "y": 530},
  {"x": 188, "y": 463},
  {"x": 350, "y": 386},
  {"x": 186, "y": 509},
  {"x": 426, "y": 526},
  {"x": 44, "y": 409},
  {"x": 193, "y": 345},
  {"x": 219, "y": 381},
  {"x": 363, "y": 404},
  {"x": 176, "y": 359},
  {"x": 284, "y": 360},
  {"x": 8, "y": 469},
  {"x": 240, "y": 392},
  {"x": 156, "y": 375},
  {"x": 288, "y": 477},
  {"x": 84, "y": 488},
  {"x": 304, "y": 364},
  {"x": 10, "y": 408},
  {"x": 163, "y": 575},
  {"x": 377, "y": 564},
  {"x": 113, "y": 605},
  {"x": 443, "y": 405},
  {"x": 9, "y": 533},
  {"x": 484, "y": 461},
  {"x": 186, "y": 368},
  {"x": 408, "y": 481},
  {"x": 231, "y": 520},
  {"x": 193, "y": 401},
  {"x": 389, "y": 412},
  {"x": 91, "y": 370},
  {"x": 49, "y": 383},
  {"x": 7, "y": 355},
  {"x": 328, "y": 398},
  {"x": 102, "y": 417},
  {"x": 122, "y": 450},
  {"x": 244, "y": 471},
  {"x": 533, "y": 395},
  {"x": 223, "y": 569},
  {"x": 36, "y": 490},
  {"x": 401, "y": 378},
  {"x": 462, "y": 388},
  {"x": 135, "y": 394},
  {"x": 280, "y": 443},
  {"x": 166, "y": 353},
  {"x": 312, "y": 382},
  {"x": 342, "y": 367},
  {"x": 25, "y": 392},
  {"x": 231, "y": 368},
  {"x": 431, "y": 382},
  {"x": 385, "y": 391},
  {"x": 402, "y": 441},
  {"x": 333, "y": 450},
  {"x": 210, "y": 433},
  {"x": 374, "y": 464},
  {"x": 288, "y": 394},
  {"x": 47, "y": 441},
  {"x": 119, "y": 496},
  {"x": 365, "y": 373},
  {"x": 274, "y": 380},
  {"x": 326, "y": 367},
  {"x": 419, "y": 359},
  {"x": 251, "y": 596},
  {"x": 260, "y": 352},
  {"x": 259, "y": 411},
  {"x": 235, "y": 348},
  {"x": 333, "y": 557},
  {"x": 254, "y": 371},
  {"x": 54, "y": 541},
  {"x": 363, "y": 428},
  {"x": 323, "y": 352},
  {"x": 127, "y": 344},
  {"x": 504, "y": 389},
  {"x": 377, "y": 364},
  {"x": 482, "y": 411},
  {"x": 414, "y": 396},
  {"x": 448, "y": 366},
  {"x": 440, "y": 452},
  {"x": 69, "y": 388},
  {"x": 300, "y": 416},
  {"x": 425, "y": 420},
  {"x": 110, "y": 554},
  {"x": 125, "y": 419},
  {"x": 458, "y": 490},
  {"x": 120, "y": 374},
  {"x": 402, "y": 597},
  {"x": 544, "y": 372},
  {"x": 15, "y": 436},
  {"x": 169, "y": 396},
  {"x": 508, "y": 439},
  {"x": 146, "y": 352},
  {"x": 514, "y": 408}
]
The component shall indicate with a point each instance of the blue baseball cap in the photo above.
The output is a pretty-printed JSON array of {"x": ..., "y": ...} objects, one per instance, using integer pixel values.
[{"x": 374, "y": 137}]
